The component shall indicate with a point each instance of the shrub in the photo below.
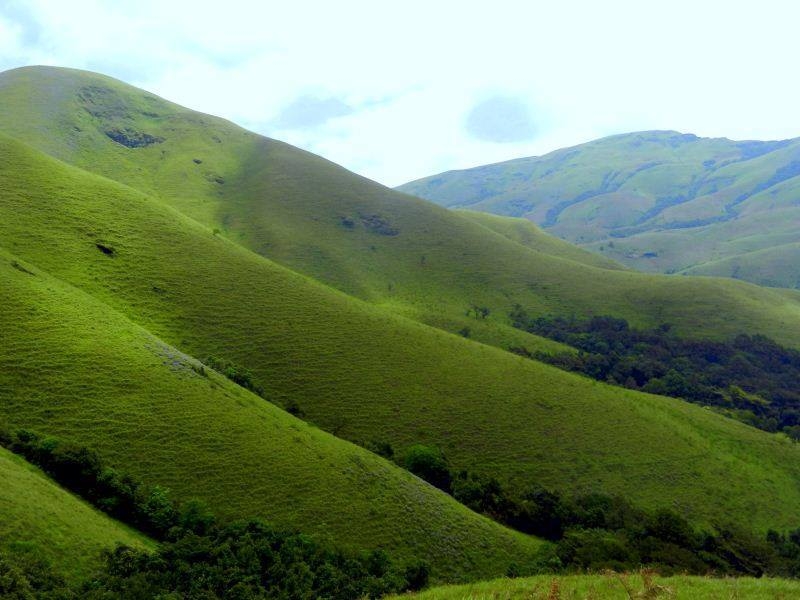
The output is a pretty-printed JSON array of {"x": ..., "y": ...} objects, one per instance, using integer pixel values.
[{"x": 429, "y": 464}]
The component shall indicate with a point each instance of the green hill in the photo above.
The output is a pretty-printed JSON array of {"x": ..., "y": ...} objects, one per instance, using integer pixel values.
[
  {"x": 353, "y": 368},
  {"x": 318, "y": 219},
  {"x": 657, "y": 201},
  {"x": 191, "y": 237},
  {"x": 110, "y": 385},
  {"x": 531, "y": 236},
  {"x": 40, "y": 520},
  {"x": 778, "y": 266}
]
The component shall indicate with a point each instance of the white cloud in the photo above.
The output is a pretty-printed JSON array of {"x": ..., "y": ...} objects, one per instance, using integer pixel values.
[{"x": 413, "y": 71}]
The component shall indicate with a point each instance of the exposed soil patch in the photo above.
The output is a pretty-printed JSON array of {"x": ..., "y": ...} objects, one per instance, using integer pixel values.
[
  {"x": 133, "y": 139},
  {"x": 107, "y": 250},
  {"x": 378, "y": 224}
]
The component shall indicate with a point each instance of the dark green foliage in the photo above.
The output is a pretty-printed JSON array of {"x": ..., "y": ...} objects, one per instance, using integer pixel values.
[
  {"x": 293, "y": 408},
  {"x": 149, "y": 509},
  {"x": 379, "y": 447},
  {"x": 248, "y": 559},
  {"x": 750, "y": 378},
  {"x": 236, "y": 373},
  {"x": 23, "y": 576},
  {"x": 417, "y": 575},
  {"x": 245, "y": 559},
  {"x": 596, "y": 531},
  {"x": 429, "y": 464},
  {"x": 198, "y": 558}
]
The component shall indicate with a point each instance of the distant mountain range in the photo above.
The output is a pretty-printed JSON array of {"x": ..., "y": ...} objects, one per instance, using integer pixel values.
[{"x": 656, "y": 201}]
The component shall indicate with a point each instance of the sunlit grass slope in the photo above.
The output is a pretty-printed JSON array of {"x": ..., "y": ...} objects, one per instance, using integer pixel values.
[
  {"x": 615, "y": 587},
  {"x": 73, "y": 368},
  {"x": 532, "y": 236},
  {"x": 387, "y": 248},
  {"x": 352, "y": 367},
  {"x": 40, "y": 519}
]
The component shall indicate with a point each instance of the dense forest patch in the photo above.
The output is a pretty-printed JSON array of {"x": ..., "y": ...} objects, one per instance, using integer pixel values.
[{"x": 750, "y": 377}]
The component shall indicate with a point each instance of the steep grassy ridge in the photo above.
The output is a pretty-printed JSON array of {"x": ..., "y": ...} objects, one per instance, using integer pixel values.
[
  {"x": 317, "y": 218},
  {"x": 658, "y": 201},
  {"x": 39, "y": 518},
  {"x": 73, "y": 368},
  {"x": 352, "y": 367}
]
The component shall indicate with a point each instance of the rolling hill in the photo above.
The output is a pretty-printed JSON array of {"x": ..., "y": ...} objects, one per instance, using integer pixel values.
[
  {"x": 148, "y": 410},
  {"x": 41, "y": 520},
  {"x": 137, "y": 237},
  {"x": 657, "y": 201}
]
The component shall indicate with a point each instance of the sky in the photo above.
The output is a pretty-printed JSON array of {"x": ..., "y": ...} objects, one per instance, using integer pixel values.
[{"x": 399, "y": 90}]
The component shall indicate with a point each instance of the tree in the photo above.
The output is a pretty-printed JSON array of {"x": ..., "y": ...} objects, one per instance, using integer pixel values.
[{"x": 429, "y": 464}]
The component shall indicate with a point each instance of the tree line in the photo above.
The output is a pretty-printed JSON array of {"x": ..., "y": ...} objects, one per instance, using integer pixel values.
[
  {"x": 598, "y": 531},
  {"x": 198, "y": 556},
  {"x": 749, "y": 377}
]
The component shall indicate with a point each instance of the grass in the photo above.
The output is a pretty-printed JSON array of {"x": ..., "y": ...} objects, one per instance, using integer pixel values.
[
  {"x": 531, "y": 236},
  {"x": 778, "y": 266},
  {"x": 75, "y": 369},
  {"x": 641, "y": 199},
  {"x": 352, "y": 367},
  {"x": 613, "y": 586},
  {"x": 340, "y": 296},
  {"x": 38, "y": 518}
]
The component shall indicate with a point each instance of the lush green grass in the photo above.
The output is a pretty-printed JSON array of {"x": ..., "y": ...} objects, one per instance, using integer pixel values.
[
  {"x": 655, "y": 201},
  {"x": 352, "y": 367},
  {"x": 41, "y": 520},
  {"x": 531, "y": 236},
  {"x": 332, "y": 334},
  {"x": 75, "y": 369},
  {"x": 778, "y": 266},
  {"x": 616, "y": 586}
]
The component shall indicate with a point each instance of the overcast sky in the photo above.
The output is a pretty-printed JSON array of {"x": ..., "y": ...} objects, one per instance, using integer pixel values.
[{"x": 400, "y": 90}]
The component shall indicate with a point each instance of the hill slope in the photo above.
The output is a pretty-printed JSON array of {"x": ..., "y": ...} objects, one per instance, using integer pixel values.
[
  {"x": 353, "y": 234},
  {"x": 42, "y": 520},
  {"x": 657, "y": 201},
  {"x": 352, "y": 367},
  {"x": 107, "y": 384}
]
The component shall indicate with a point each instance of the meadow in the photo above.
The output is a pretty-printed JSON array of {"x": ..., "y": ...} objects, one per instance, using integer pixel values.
[{"x": 616, "y": 586}]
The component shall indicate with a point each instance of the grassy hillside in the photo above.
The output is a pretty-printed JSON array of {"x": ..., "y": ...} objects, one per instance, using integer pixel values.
[
  {"x": 615, "y": 587},
  {"x": 531, "y": 236},
  {"x": 112, "y": 386},
  {"x": 354, "y": 368},
  {"x": 656, "y": 201},
  {"x": 775, "y": 267},
  {"x": 40, "y": 520},
  {"x": 316, "y": 218}
]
